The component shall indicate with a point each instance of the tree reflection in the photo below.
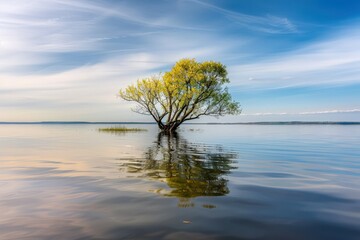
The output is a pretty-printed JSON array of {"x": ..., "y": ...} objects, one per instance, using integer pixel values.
[{"x": 190, "y": 170}]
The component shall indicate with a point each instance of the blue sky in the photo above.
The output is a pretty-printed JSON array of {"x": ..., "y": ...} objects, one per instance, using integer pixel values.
[{"x": 287, "y": 60}]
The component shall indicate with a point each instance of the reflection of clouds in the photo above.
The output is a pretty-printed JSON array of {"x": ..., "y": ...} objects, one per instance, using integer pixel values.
[
  {"x": 62, "y": 148},
  {"x": 52, "y": 177},
  {"x": 30, "y": 206},
  {"x": 64, "y": 183},
  {"x": 190, "y": 170},
  {"x": 54, "y": 207}
]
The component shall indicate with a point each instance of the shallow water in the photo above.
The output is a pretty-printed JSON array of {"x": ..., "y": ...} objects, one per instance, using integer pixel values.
[{"x": 208, "y": 182}]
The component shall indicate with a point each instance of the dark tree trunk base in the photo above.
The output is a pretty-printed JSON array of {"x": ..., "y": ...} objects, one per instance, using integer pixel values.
[
  {"x": 168, "y": 132},
  {"x": 168, "y": 129}
]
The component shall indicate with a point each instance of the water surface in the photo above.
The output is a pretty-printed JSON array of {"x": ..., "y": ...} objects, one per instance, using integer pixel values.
[{"x": 207, "y": 182}]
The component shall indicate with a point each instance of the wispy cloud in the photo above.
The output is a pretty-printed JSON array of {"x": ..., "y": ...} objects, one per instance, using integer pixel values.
[
  {"x": 94, "y": 86},
  {"x": 357, "y": 110},
  {"x": 330, "y": 61},
  {"x": 46, "y": 32},
  {"x": 73, "y": 56},
  {"x": 267, "y": 24},
  {"x": 123, "y": 12},
  {"x": 65, "y": 55}
]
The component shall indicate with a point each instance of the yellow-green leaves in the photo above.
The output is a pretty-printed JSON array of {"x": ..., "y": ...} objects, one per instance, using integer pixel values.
[{"x": 189, "y": 90}]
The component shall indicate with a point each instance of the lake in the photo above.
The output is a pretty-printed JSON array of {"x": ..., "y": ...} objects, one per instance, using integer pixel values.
[{"x": 63, "y": 181}]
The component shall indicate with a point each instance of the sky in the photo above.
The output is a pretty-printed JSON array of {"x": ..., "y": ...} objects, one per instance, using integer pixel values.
[{"x": 65, "y": 60}]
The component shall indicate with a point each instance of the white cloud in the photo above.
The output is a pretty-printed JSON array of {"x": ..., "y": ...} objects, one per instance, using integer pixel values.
[
  {"x": 73, "y": 56},
  {"x": 89, "y": 91},
  {"x": 305, "y": 113},
  {"x": 123, "y": 12},
  {"x": 267, "y": 24},
  {"x": 333, "y": 60},
  {"x": 46, "y": 35}
]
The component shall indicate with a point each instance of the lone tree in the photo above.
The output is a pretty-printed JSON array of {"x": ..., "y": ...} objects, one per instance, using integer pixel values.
[{"x": 189, "y": 90}]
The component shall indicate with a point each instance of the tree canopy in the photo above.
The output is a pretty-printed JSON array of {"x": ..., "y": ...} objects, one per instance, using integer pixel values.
[{"x": 188, "y": 91}]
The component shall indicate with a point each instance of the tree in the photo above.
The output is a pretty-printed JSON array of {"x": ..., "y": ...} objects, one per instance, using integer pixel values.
[
  {"x": 189, "y": 90},
  {"x": 190, "y": 170}
]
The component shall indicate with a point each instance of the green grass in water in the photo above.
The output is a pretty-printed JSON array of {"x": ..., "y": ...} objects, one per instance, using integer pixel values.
[{"x": 121, "y": 129}]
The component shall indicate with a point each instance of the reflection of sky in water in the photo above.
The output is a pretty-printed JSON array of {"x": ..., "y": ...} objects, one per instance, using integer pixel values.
[{"x": 71, "y": 182}]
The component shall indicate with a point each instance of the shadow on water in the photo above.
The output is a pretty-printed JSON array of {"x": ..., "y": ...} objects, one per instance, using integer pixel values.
[{"x": 190, "y": 170}]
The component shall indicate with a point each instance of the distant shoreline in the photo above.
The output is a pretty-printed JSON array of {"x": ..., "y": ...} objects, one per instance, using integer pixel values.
[{"x": 235, "y": 123}]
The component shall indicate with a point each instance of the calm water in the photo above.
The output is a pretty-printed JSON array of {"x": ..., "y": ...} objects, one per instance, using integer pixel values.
[{"x": 208, "y": 182}]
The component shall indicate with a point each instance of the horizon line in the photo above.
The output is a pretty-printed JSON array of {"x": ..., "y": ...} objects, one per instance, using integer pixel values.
[{"x": 195, "y": 123}]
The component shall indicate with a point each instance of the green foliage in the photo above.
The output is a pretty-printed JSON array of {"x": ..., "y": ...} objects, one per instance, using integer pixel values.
[
  {"x": 189, "y": 90},
  {"x": 121, "y": 129}
]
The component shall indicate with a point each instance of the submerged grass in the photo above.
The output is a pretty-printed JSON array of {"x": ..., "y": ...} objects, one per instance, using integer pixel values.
[{"x": 121, "y": 129}]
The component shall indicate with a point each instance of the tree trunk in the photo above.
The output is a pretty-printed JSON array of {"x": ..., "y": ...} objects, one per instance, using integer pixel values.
[{"x": 169, "y": 128}]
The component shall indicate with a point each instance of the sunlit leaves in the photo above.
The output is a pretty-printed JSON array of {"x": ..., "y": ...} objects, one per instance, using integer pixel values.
[{"x": 189, "y": 90}]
